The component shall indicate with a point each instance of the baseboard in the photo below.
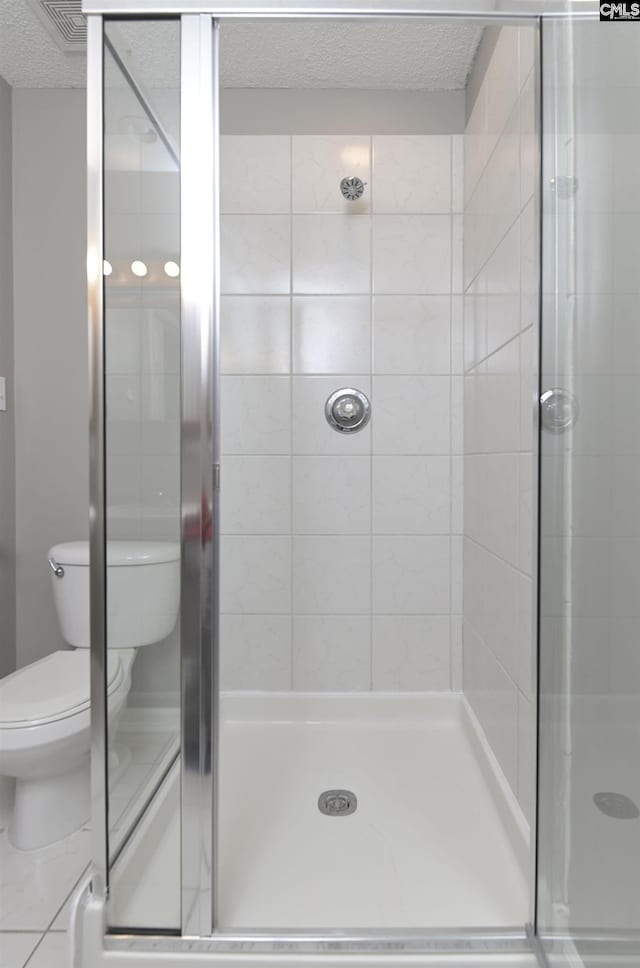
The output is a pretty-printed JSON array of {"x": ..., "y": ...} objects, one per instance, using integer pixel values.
[{"x": 514, "y": 820}]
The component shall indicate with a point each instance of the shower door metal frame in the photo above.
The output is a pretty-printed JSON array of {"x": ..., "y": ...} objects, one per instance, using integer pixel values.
[
  {"x": 200, "y": 463},
  {"x": 200, "y": 474}
]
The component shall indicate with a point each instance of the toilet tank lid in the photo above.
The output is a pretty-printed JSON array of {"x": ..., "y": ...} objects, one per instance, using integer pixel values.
[{"x": 119, "y": 553}]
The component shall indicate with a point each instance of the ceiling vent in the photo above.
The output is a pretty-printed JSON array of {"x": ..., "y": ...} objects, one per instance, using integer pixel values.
[{"x": 63, "y": 21}]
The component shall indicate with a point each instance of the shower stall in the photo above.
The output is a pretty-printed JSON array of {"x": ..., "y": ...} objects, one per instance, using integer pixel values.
[{"x": 363, "y": 310}]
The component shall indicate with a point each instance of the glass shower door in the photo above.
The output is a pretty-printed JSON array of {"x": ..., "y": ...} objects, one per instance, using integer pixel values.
[{"x": 589, "y": 782}]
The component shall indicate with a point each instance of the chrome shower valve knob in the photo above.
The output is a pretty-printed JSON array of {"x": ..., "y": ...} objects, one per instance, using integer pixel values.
[{"x": 347, "y": 410}]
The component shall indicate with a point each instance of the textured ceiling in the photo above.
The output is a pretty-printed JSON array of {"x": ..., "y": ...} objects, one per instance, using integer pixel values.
[{"x": 304, "y": 54}]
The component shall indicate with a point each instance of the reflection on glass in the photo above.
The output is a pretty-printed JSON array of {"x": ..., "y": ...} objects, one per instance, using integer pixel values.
[
  {"x": 142, "y": 378},
  {"x": 589, "y": 869}
]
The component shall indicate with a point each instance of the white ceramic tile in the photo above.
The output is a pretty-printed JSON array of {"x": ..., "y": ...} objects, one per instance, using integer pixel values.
[
  {"x": 527, "y": 51},
  {"x": 124, "y": 475},
  {"x": 503, "y": 291},
  {"x": 311, "y": 432},
  {"x": 35, "y": 883},
  {"x": 160, "y": 328},
  {"x": 255, "y": 414},
  {"x": 255, "y": 495},
  {"x": 160, "y": 397},
  {"x": 457, "y": 494},
  {"x": 526, "y": 524},
  {"x": 122, "y": 397},
  {"x": 15, "y": 948},
  {"x": 331, "y": 495},
  {"x": 457, "y": 541},
  {"x": 331, "y": 334},
  {"x": 255, "y": 574},
  {"x": 159, "y": 241},
  {"x": 456, "y": 653},
  {"x": 53, "y": 952},
  {"x": 457, "y": 415},
  {"x": 457, "y": 253},
  {"x": 494, "y": 698},
  {"x": 625, "y": 186},
  {"x": 411, "y": 575},
  {"x": 475, "y": 321},
  {"x": 160, "y": 438},
  {"x": 491, "y": 604},
  {"x": 255, "y": 651},
  {"x": 498, "y": 393},
  {"x": 529, "y": 142},
  {"x": 457, "y": 173},
  {"x": 331, "y": 254},
  {"x": 331, "y": 652},
  {"x": 254, "y": 334},
  {"x": 123, "y": 437},
  {"x": 255, "y": 172},
  {"x": 160, "y": 483},
  {"x": 160, "y": 191},
  {"x": 411, "y": 414},
  {"x": 527, "y": 659},
  {"x": 526, "y": 756},
  {"x": 122, "y": 340},
  {"x": 457, "y": 334},
  {"x": 491, "y": 507},
  {"x": 529, "y": 266},
  {"x": 320, "y": 162},
  {"x": 503, "y": 184},
  {"x": 412, "y": 173},
  {"x": 255, "y": 253},
  {"x": 411, "y": 253},
  {"x": 412, "y": 334},
  {"x": 331, "y": 575},
  {"x": 528, "y": 388},
  {"x": 411, "y": 652},
  {"x": 411, "y": 495},
  {"x": 626, "y": 339}
]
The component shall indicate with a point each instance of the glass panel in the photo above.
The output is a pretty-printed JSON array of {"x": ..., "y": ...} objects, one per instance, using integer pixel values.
[
  {"x": 376, "y": 773},
  {"x": 589, "y": 809},
  {"x": 142, "y": 363}
]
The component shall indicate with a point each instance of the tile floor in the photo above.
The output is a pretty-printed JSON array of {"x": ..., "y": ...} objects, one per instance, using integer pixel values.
[{"x": 36, "y": 886}]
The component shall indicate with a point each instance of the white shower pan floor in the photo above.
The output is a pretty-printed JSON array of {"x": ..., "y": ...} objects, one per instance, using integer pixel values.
[{"x": 436, "y": 840}]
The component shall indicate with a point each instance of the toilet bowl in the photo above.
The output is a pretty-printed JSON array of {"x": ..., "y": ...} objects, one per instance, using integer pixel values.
[{"x": 45, "y": 706}]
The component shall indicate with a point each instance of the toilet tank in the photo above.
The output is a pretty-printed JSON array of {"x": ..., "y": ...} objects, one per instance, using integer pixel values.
[{"x": 143, "y": 591}]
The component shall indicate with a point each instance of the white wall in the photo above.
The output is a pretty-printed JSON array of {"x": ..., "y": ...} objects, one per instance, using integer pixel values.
[
  {"x": 51, "y": 402},
  {"x": 340, "y": 552},
  {"x": 500, "y": 349},
  {"x": 7, "y": 441}
]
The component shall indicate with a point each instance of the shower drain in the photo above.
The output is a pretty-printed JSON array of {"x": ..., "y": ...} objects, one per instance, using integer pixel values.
[
  {"x": 337, "y": 803},
  {"x": 616, "y": 805}
]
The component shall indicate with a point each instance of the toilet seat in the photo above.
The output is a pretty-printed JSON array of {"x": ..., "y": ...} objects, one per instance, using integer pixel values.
[{"x": 53, "y": 688}]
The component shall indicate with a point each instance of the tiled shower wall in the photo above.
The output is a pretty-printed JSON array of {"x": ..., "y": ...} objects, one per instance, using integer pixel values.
[
  {"x": 341, "y": 554},
  {"x": 500, "y": 311}
]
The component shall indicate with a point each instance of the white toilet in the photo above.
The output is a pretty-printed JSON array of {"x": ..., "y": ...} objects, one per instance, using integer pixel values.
[{"x": 44, "y": 707}]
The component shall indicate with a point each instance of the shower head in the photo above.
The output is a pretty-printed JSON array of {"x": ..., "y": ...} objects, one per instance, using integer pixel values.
[{"x": 352, "y": 188}]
